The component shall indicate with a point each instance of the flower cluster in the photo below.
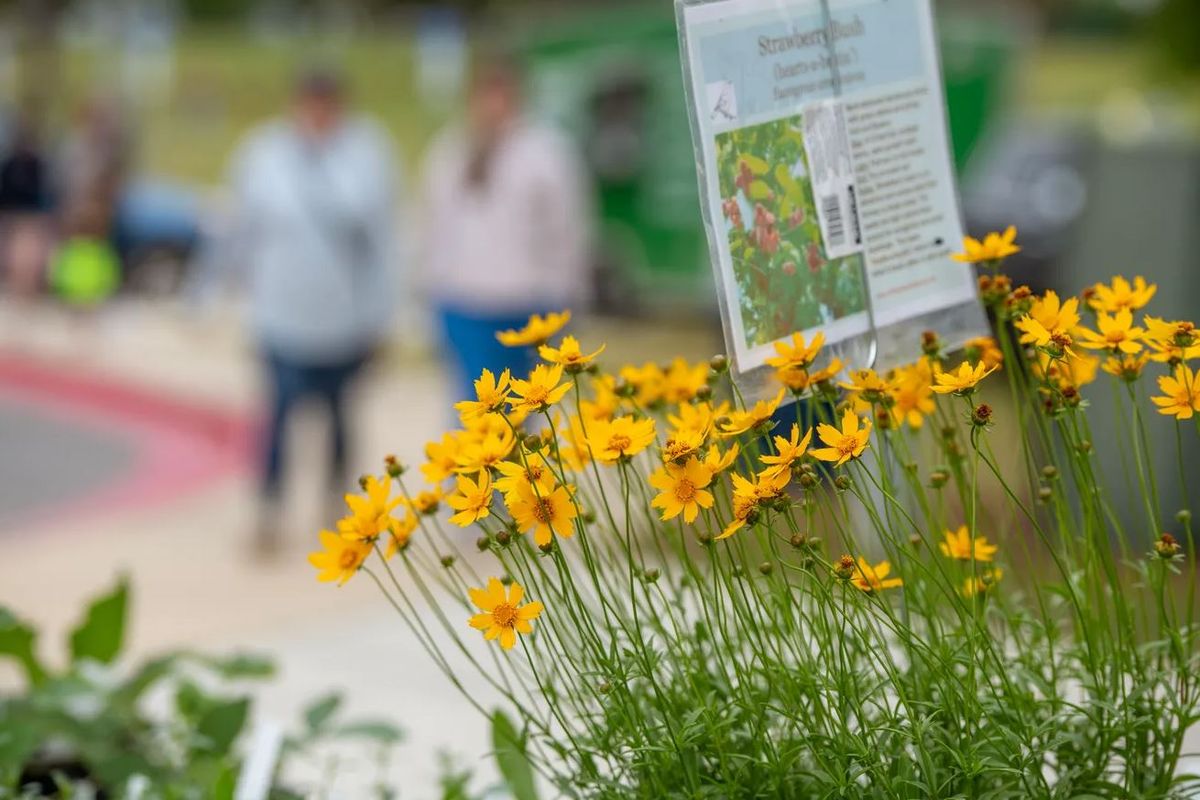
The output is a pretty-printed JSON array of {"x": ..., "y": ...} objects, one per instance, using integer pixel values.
[{"x": 731, "y": 606}]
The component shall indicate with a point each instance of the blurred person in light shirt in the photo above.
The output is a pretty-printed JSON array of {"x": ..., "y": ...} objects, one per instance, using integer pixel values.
[
  {"x": 505, "y": 230},
  {"x": 313, "y": 227}
]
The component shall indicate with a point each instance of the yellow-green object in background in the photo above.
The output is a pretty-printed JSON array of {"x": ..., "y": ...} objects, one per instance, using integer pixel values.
[{"x": 85, "y": 271}]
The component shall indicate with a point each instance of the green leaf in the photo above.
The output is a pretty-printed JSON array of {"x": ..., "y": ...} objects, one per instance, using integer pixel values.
[
  {"x": 222, "y": 722},
  {"x": 224, "y": 785},
  {"x": 756, "y": 164},
  {"x": 513, "y": 763},
  {"x": 102, "y": 632},
  {"x": 321, "y": 710},
  {"x": 759, "y": 190},
  {"x": 17, "y": 642},
  {"x": 242, "y": 666},
  {"x": 375, "y": 729}
]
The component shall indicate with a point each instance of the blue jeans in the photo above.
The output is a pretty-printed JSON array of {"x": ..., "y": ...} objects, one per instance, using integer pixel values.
[
  {"x": 291, "y": 382},
  {"x": 471, "y": 346}
]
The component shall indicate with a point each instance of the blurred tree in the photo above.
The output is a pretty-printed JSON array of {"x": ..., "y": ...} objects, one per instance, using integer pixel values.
[{"x": 1176, "y": 25}]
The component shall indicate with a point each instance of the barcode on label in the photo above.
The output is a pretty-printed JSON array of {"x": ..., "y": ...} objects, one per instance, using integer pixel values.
[{"x": 835, "y": 229}]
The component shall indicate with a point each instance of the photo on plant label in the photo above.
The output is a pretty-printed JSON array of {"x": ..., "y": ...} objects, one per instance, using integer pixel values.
[{"x": 785, "y": 280}]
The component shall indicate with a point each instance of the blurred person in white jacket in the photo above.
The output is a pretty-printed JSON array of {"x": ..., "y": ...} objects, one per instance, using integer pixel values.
[
  {"x": 314, "y": 230},
  {"x": 505, "y": 230}
]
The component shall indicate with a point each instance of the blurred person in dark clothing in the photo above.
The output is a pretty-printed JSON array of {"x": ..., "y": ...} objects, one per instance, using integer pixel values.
[
  {"x": 505, "y": 226},
  {"x": 25, "y": 231},
  {"x": 314, "y": 200}
]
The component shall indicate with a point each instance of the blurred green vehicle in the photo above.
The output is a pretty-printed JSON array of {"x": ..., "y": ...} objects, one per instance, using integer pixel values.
[{"x": 612, "y": 79}]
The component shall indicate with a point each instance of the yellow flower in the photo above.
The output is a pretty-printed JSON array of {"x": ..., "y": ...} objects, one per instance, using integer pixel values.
[
  {"x": 788, "y": 452},
  {"x": 874, "y": 578},
  {"x": 826, "y": 373},
  {"x": 648, "y": 382},
  {"x": 1121, "y": 296},
  {"x": 503, "y": 615},
  {"x": 490, "y": 395},
  {"x": 568, "y": 354},
  {"x": 682, "y": 444},
  {"x": 994, "y": 247},
  {"x": 537, "y": 330},
  {"x": 843, "y": 445},
  {"x": 737, "y": 422},
  {"x": 963, "y": 381},
  {"x": 748, "y": 496},
  {"x": 426, "y": 501},
  {"x": 536, "y": 471},
  {"x": 541, "y": 391},
  {"x": 1172, "y": 342},
  {"x": 548, "y": 514},
  {"x": 682, "y": 489},
  {"x": 620, "y": 438},
  {"x": 1074, "y": 369},
  {"x": 340, "y": 559},
  {"x": 866, "y": 382},
  {"x": 912, "y": 397},
  {"x": 983, "y": 350},
  {"x": 797, "y": 354},
  {"x": 717, "y": 461},
  {"x": 370, "y": 515},
  {"x": 696, "y": 418},
  {"x": 399, "y": 534},
  {"x": 1049, "y": 319},
  {"x": 1117, "y": 333},
  {"x": 959, "y": 547},
  {"x": 441, "y": 459},
  {"x": 1181, "y": 393},
  {"x": 472, "y": 500},
  {"x": 480, "y": 452},
  {"x": 682, "y": 380},
  {"x": 973, "y": 586},
  {"x": 1126, "y": 367}
]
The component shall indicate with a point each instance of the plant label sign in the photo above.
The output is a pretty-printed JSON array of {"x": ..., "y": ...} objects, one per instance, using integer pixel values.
[{"x": 824, "y": 164}]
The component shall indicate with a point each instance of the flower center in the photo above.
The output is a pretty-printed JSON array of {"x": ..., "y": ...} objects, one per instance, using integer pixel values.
[
  {"x": 619, "y": 442},
  {"x": 534, "y": 473},
  {"x": 504, "y": 615},
  {"x": 685, "y": 491},
  {"x": 348, "y": 559},
  {"x": 537, "y": 395},
  {"x": 543, "y": 510}
]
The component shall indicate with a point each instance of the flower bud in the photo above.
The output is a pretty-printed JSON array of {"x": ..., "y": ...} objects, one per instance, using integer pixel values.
[
  {"x": 842, "y": 482},
  {"x": 1167, "y": 548},
  {"x": 503, "y": 538},
  {"x": 394, "y": 468},
  {"x": 532, "y": 442},
  {"x": 798, "y": 540},
  {"x": 938, "y": 478},
  {"x": 765, "y": 567},
  {"x": 1085, "y": 447},
  {"x": 1183, "y": 516},
  {"x": 483, "y": 542},
  {"x": 447, "y": 561},
  {"x": 844, "y": 568},
  {"x": 718, "y": 363},
  {"x": 1049, "y": 472},
  {"x": 650, "y": 575},
  {"x": 547, "y": 548},
  {"x": 914, "y": 541},
  {"x": 704, "y": 393},
  {"x": 1045, "y": 493},
  {"x": 931, "y": 344},
  {"x": 982, "y": 415},
  {"x": 588, "y": 516},
  {"x": 604, "y": 687},
  {"x": 362, "y": 481}
]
